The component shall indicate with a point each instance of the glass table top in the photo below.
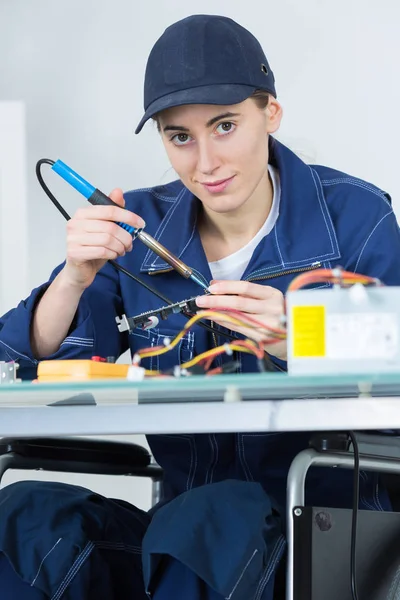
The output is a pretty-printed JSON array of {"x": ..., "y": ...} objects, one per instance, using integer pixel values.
[{"x": 254, "y": 386}]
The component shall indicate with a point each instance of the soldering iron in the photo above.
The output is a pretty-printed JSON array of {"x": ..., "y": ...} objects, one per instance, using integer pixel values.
[{"x": 95, "y": 196}]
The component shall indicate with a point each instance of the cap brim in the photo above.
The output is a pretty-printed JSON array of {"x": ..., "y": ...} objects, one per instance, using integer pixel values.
[{"x": 223, "y": 94}]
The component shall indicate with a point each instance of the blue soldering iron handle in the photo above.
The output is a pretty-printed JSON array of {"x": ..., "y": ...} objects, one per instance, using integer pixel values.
[
  {"x": 93, "y": 195},
  {"x": 99, "y": 198}
]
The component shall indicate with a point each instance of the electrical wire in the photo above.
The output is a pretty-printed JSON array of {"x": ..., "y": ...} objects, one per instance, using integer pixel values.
[
  {"x": 356, "y": 494},
  {"x": 248, "y": 346},
  {"x": 335, "y": 276},
  {"x": 206, "y": 358},
  {"x": 47, "y": 161},
  {"x": 209, "y": 314},
  {"x": 252, "y": 323}
]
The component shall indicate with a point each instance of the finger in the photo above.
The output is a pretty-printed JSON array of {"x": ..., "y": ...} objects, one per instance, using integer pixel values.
[
  {"x": 117, "y": 196},
  {"x": 109, "y": 213},
  {"x": 108, "y": 227},
  {"x": 86, "y": 253},
  {"x": 241, "y": 303},
  {"x": 243, "y": 288},
  {"x": 101, "y": 240}
]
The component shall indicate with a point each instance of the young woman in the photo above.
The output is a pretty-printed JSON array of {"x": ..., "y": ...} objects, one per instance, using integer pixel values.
[{"x": 247, "y": 214}]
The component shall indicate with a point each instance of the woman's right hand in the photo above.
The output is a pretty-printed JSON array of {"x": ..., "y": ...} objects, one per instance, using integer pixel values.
[{"x": 93, "y": 238}]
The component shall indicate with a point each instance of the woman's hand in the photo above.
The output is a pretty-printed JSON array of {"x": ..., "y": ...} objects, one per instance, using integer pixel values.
[
  {"x": 93, "y": 237},
  {"x": 260, "y": 302}
]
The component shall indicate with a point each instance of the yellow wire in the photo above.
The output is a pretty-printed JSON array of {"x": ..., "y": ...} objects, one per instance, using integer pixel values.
[
  {"x": 178, "y": 337},
  {"x": 209, "y": 353},
  {"x": 213, "y": 315},
  {"x": 205, "y": 355}
]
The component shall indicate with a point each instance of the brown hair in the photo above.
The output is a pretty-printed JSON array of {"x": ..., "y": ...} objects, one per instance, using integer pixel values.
[{"x": 261, "y": 98}]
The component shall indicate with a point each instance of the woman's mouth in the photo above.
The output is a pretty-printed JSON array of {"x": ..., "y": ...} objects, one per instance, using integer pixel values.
[{"x": 216, "y": 187}]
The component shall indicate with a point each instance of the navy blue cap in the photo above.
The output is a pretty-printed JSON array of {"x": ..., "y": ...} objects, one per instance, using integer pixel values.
[{"x": 204, "y": 59}]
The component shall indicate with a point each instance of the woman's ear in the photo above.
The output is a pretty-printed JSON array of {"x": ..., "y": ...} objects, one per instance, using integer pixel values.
[{"x": 274, "y": 114}]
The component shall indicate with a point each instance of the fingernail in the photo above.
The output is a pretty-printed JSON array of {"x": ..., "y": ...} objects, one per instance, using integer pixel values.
[
  {"x": 141, "y": 224},
  {"x": 213, "y": 287},
  {"x": 201, "y": 301}
]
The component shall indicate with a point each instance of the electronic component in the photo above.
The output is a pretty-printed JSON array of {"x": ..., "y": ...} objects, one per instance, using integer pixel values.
[
  {"x": 8, "y": 372},
  {"x": 80, "y": 370},
  {"x": 344, "y": 330},
  {"x": 149, "y": 319},
  {"x": 95, "y": 196}
]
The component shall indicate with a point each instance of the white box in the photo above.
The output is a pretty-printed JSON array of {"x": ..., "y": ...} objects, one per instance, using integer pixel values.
[{"x": 339, "y": 330}]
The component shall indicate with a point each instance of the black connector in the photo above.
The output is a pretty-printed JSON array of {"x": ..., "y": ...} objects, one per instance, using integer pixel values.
[{"x": 187, "y": 307}]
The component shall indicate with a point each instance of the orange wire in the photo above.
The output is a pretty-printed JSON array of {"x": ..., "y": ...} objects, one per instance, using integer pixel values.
[
  {"x": 246, "y": 317},
  {"x": 328, "y": 275}
]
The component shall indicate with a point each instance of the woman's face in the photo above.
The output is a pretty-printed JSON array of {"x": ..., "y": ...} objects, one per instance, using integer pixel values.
[{"x": 220, "y": 152}]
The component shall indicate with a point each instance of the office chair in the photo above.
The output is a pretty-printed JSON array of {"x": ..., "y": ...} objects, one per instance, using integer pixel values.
[{"x": 80, "y": 455}]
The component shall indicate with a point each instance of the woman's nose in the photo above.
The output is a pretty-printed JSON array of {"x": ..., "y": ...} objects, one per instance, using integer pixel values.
[{"x": 208, "y": 160}]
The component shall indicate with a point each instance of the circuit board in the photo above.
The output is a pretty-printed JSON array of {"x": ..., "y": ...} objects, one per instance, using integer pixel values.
[{"x": 150, "y": 318}]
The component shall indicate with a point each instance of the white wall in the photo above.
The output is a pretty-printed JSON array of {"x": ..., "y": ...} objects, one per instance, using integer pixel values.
[
  {"x": 78, "y": 66},
  {"x": 13, "y": 205}
]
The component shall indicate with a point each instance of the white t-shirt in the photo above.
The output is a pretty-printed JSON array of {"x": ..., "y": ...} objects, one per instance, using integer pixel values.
[{"x": 233, "y": 266}]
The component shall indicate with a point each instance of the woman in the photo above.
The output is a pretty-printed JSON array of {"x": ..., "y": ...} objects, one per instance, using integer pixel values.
[{"x": 249, "y": 215}]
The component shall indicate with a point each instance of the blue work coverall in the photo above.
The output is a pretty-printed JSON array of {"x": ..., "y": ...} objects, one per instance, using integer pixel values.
[{"x": 219, "y": 532}]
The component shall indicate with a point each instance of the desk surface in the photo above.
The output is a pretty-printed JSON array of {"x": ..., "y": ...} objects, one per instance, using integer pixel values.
[{"x": 228, "y": 403}]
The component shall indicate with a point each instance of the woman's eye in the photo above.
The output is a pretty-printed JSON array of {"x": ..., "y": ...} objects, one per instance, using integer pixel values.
[
  {"x": 225, "y": 127},
  {"x": 180, "y": 139}
]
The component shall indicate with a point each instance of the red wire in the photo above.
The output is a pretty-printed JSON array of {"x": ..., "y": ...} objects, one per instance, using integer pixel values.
[{"x": 245, "y": 316}]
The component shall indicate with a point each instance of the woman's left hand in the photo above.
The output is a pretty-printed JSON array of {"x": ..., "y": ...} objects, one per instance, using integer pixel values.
[{"x": 261, "y": 302}]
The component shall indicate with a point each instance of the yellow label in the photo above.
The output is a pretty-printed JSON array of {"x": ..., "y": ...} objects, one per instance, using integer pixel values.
[{"x": 308, "y": 326}]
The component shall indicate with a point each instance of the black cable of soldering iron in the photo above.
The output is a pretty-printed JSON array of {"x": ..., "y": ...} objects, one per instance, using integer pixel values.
[
  {"x": 112, "y": 262},
  {"x": 356, "y": 494}
]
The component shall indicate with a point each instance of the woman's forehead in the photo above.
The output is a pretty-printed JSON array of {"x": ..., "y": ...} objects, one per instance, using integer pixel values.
[{"x": 177, "y": 115}]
